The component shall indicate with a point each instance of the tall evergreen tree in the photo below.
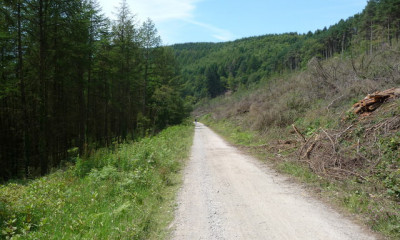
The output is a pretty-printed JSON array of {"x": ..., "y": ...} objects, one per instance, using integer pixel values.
[{"x": 150, "y": 42}]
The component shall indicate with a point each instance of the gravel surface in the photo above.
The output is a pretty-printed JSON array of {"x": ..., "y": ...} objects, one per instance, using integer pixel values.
[{"x": 228, "y": 195}]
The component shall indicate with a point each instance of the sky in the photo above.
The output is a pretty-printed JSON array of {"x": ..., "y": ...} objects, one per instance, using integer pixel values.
[{"x": 181, "y": 21}]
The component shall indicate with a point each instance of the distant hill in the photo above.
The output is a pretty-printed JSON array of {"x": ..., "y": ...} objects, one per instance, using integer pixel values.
[{"x": 210, "y": 69}]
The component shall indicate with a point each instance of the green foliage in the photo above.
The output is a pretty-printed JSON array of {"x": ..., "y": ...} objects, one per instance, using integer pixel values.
[
  {"x": 350, "y": 116},
  {"x": 113, "y": 194},
  {"x": 382, "y": 215},
  {"x": 298, "y": 170},
  {"x": 222, "y": 66},
  {"x": 167, "y": 106},
  {"x": 389, "y": 167},
  {"x": 234, "y": 133}
]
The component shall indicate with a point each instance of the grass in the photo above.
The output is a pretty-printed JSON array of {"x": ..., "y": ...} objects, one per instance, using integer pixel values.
[
  {"x": 236, "y": 134},
  {"x": 121, "y": 193}
]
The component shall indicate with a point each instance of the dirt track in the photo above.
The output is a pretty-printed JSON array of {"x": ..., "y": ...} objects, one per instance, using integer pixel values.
[{"x": 228, "y": 195}]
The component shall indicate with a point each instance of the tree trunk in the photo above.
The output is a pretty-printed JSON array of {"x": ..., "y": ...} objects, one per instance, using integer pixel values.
[
  {"x": 370, "y": 40},
  {"x": 343, "y": 44},
  {"x": 25, "y": 131},
  {"x": 43, "y": 134},
  {"x": 82, "y": 111}
]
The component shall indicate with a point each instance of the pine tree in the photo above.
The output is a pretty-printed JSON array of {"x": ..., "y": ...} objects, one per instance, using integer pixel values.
[{"x": 150, "y": 42}]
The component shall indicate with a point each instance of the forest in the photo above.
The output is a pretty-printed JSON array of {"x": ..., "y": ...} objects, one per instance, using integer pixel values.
[
  {"x": 72, "y": 80},
  {"x": 212, "y": 69}
]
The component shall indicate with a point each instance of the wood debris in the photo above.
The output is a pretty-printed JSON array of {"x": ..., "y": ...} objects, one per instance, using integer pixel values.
[{"x": 373, "y": 101}]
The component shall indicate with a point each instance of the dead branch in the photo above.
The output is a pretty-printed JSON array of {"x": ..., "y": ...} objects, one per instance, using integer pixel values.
[
  {"x": 363, "y": 157},
  {"x": 298, "y": 133},
  {"x": 333, "y": 144},
  {"x": 340, "y": 134},
  {"x": 308, "y": 152},
  {"x": 334, "y": 100},
  {"x": 302, "y": 147},
  {"x": 350, "y": 172}
]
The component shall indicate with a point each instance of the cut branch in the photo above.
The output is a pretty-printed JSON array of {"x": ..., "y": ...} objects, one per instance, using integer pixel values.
[{"x": 298, "y": 133}]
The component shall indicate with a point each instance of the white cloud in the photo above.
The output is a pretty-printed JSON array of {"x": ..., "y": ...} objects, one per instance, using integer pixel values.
[
  {"x": 218, "y": 33},
  {"x": 157, "y": 10},
  {"x": 164, "y": 11}
]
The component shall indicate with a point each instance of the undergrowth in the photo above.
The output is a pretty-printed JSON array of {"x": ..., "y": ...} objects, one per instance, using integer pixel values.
[{"x": 122, "y": 193}]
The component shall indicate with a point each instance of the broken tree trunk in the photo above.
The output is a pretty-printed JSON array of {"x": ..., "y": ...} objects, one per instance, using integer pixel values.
[{"x": 372, "y": 101}]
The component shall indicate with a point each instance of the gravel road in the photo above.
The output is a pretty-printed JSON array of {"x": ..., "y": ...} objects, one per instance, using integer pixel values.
[{"x": 228, "y": 195}]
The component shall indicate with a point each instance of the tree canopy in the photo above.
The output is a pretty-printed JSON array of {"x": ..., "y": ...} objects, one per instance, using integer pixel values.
[{"x": 72, "y": 79}]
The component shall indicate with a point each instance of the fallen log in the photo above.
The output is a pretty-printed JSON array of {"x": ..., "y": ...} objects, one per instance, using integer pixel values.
[{"x": 373, "y": 101}]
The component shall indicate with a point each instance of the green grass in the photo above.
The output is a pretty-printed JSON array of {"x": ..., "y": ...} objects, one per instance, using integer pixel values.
[
  {"x": 297, "y": 170},
  {"x": 125, "y": 193},
  {"x": 236, "y": 134}
]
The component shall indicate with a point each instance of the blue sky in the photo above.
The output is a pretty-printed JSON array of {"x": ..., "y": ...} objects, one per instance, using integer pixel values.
[{"x": 180, "y": 21}]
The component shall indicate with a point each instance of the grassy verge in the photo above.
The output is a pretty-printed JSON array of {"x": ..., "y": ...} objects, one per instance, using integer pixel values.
[
  {"x": 121, "y": 193},
  {"x": 373, "y": 201}
]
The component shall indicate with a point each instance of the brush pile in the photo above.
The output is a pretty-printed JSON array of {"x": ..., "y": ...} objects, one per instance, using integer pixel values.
[
  {"x": 326, "y": 156},
  {"x": 353, "y": 151}
]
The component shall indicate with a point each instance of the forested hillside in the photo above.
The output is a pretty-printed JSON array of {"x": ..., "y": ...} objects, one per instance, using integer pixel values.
[
  {"x": 211, "y": 69},
  {"x": 72, "y": 80}
]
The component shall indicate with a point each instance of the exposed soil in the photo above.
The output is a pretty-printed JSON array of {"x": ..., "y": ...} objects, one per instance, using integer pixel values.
[{"x": 228, "y": 195}]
